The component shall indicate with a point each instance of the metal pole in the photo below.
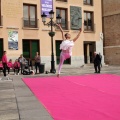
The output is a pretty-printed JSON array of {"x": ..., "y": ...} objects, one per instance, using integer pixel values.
[{"x": 52, "y": 54}]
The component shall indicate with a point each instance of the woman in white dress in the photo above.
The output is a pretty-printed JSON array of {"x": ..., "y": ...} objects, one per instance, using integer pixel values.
[{"x": 66, "y": 47}]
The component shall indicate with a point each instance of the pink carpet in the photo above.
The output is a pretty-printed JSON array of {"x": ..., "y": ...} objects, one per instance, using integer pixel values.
[{"x": 87, "y": 97}]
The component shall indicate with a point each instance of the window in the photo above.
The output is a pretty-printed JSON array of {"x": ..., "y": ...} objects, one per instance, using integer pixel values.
[
  {"x": 88, "y": 2},
  {"x": 62, "y": 0},
  {"x": 29, "y": 16},
  {"x": 88, "y": 21},
  {"x": 63, "y": 13}
]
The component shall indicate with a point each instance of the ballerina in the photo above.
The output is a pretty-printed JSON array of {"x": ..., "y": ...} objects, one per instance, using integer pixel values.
[{"x": 66, "y": 47}]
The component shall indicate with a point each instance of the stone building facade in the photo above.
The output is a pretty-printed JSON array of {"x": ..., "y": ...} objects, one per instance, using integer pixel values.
[
  {"x": 111, "y": 30},
  {"x": 22, "y": 30}
]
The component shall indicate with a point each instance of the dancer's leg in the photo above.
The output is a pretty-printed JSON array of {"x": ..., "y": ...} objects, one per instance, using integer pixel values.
[{"x": 62, "y": 58}]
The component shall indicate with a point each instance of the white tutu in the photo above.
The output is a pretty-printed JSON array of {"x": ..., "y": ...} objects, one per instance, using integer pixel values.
[{"x": 66, "y": 45}]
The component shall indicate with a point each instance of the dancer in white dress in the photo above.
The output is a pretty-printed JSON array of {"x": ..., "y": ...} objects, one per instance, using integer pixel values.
[{"x": 66, "y": 47}]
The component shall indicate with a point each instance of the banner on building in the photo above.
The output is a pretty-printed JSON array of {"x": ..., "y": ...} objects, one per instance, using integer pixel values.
[
  {"x": 13, "y": 40},
  {"x": 46, "y": 6}
]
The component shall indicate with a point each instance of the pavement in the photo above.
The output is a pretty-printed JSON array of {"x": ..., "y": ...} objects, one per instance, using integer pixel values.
[{"x": 17, "y": 102}]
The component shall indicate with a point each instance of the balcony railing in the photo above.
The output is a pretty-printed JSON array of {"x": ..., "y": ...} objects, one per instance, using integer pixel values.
[
  {"x": 91, "y": 28},
  {"x": 1, "y": 20},
  {"x": 33, "y": 23}
]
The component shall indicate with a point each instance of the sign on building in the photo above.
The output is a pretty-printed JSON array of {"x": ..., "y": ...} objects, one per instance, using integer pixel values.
[
  {"x": 13, "y": 40},
  {"x": 46, "y": 6}
]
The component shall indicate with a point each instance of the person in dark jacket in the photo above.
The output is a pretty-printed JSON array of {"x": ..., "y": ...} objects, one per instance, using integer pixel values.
[{"x": 97, "y": 62}]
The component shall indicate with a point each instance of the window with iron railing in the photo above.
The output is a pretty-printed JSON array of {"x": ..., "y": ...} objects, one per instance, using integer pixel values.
[
  {"x": 63, "y": 13},
  {"x": 88, "y": 21},
  {"x": 88, "y": 2},
  {"x": 62, "y": 0},
  {"x": 29, "y": 16}
]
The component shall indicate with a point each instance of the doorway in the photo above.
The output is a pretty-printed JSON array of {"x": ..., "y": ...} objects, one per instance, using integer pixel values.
[
  {"x": 1, "y": 48},
  {"x": 30, "y": 47},
  {"x": 89, "y": 49}
]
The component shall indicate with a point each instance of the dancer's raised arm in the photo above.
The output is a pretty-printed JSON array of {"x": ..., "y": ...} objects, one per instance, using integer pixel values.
[
  {"x": 77, "y": 35},
  {"x": 61, "y": 31}
]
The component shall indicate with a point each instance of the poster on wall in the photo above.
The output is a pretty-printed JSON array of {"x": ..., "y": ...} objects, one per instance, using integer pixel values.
[
  {"x": 75, "y": 17},
  {"x": 13, "y": 40},
  {"x": 46, "y": 6}
]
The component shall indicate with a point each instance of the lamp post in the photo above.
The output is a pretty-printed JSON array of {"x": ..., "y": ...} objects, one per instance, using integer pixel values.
[{"x": 51, "y": 24}]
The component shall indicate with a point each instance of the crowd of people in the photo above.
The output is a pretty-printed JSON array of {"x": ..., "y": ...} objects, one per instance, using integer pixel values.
[{"x": 19, "y": 64}]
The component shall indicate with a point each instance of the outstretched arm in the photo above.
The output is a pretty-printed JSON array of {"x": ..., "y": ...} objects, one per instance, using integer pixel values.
[
  {"x": 77, "y": 35},
  {"x": 61, "y": 31}
]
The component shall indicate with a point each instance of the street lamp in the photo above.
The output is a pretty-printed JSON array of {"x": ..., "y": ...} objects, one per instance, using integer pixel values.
[{"x": 51, "y": 34}]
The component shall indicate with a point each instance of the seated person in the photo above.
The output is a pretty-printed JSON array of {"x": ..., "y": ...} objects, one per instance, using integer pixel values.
[
  {"x": 1, "y": 65},
  {"x": 9, "y": 65},
  {"x": 16, "y": 66}
]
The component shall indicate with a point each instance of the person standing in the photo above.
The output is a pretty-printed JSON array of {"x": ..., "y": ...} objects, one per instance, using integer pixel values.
[
  {"x": 66, "y": 47},
  {"x": 97, "y": 61},
  {"x": 22, "y": 62},
  {"x": 4, "y": 62},
  {"x": 37, "y": 62}
]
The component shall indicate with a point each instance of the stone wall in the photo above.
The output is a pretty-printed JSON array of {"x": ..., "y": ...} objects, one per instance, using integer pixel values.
[
  {"x": 111, "y": 29},
  {"x": 111, "y": 7},
  {"x": 112, "y": 55}
]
